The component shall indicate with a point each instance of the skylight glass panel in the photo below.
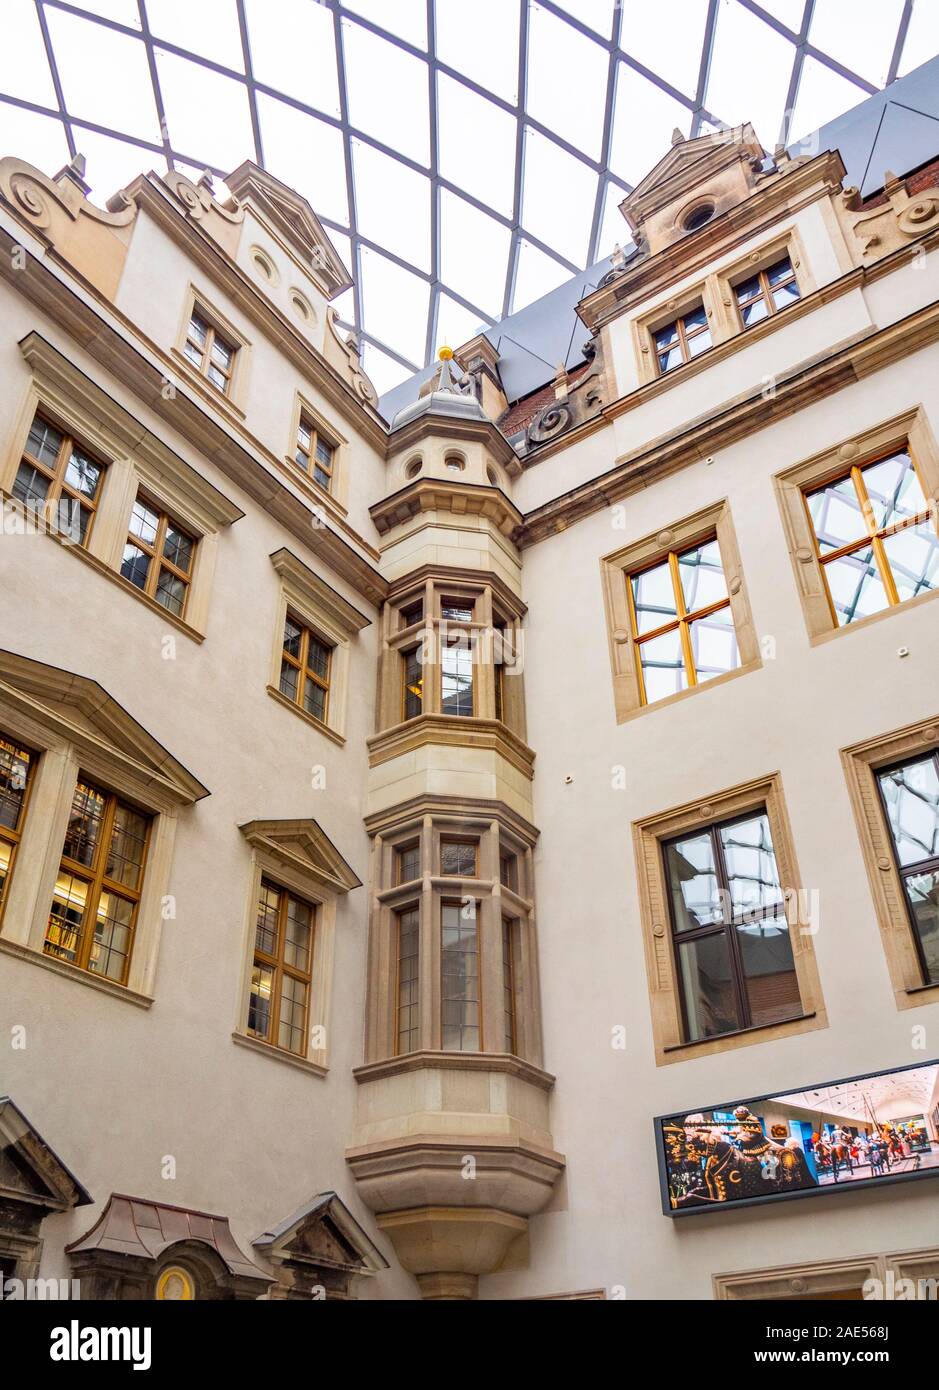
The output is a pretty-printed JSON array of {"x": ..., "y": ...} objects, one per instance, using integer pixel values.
[
  {"x": 121, "y": 11},
  {"x": 864, "y": 45},
  {"x": 666, "y": 37},
  {"x": 473, "y": 253},
  {"x": 393, "y": 205},
  {"x": 209, "y": 28},
  {"x": 343, "y": 247},
  {"x": 598, "y": 14},
  {"x": 293, "y": 50},
  {"x": 557, "y": 198},
  {"x": 788, "y": 12},
  {"x": 922, "y": 36},
  {"x": 537, "y": 274},
  {"x": 387, "y": 92},
  {"x": 822, "y": 96},
  {"x": 307, "y": 154},
  {"x": 395, "y": 304},
  {"x": 344, "y": 304},
  {"x": 104, "y": 74},
  {"x": 455, "y": 325},
  {"x": 112, "y": 164},
  {"x": 24, "y": 68},
  {"x": 40, "y": 140},
  {"x": 614, "y": 229},
  {"x": 205, "y": 112},
  {"x": 567, "y": 75},
  {"x": 483, "y": 165},
  {"x": 481, "y": 40},
  {"x": 749, "y": 76},
  {"x": 383, "y": 371},
  {"x": 406, "y": 18},
  {"x": 643, "y": 122}
]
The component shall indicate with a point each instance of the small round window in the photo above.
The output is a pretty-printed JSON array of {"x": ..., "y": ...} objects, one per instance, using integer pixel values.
[
  {"x": 698, "y": 216},
  {"x": 453, "y": 463},
  {"x": 413, "y": 468},
  {"x": 301, "y": 306},
  {"x": 264, "y": 265}
]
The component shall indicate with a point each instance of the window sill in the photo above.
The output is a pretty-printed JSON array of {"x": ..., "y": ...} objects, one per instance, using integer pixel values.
[
  {"x": 107, "y": 572},
  {"x": 924, "y": 989},
  {"x": 917, "y": 601},
  {"x": 692, "y": 690},
  {"x": 310, "y": 719},
  {"x": 72, "y": 972},
  {"x": 758, "y": 1032},
  {"x": 455, "y": 1061},
  {"x": 279, "y": 1054}
]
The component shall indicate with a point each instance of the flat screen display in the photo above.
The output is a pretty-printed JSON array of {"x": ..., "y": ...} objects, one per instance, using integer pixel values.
[{"x": 862, "y": 1131}]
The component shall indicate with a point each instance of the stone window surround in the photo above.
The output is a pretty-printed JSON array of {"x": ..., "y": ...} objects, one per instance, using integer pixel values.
[
  {"x": 328, "y": 616},
  {"x": 427, "y": 893},
  {"x": 715, "y": 291},
  {"x": 861, "y": 762},
  {"x": 908, "y": 430},
  {"x": 486, "y": 598},
  {"x": 337, "y": 497},
  {"x": 136, "y": 462},
  {"x": 233, "y": 399},
  {"x": 65, "y": 751},
  {"x": 661, "y": 969},
  {"x": 817, "y": 1279},
  {"x": 616, "y": 568}
]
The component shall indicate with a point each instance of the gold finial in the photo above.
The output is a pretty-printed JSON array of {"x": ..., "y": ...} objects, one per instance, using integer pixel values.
[{"x": 445, "y": 354}]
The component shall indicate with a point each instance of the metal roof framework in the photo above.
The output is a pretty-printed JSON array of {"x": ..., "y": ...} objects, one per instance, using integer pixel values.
[{"x": 181, "y": 147}]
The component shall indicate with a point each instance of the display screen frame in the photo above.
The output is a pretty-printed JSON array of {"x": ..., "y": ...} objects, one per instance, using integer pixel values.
[{"x": 854, "y": 1185}]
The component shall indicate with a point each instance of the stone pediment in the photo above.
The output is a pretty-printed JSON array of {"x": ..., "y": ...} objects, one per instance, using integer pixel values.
[
  {"x": 295, "y": 219},
  {"x": 83, "y": 713},
  {"x": 304, "y": 847},
  {"x": 322, "y": 1234},
  {"x": 30, "y": 1171}
]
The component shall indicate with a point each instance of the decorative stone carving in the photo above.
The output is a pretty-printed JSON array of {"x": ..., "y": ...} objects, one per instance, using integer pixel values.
[
  {"x": 892, "y": 224},
  {"x": 553, "y": 419},
  {"x": 352, "y": 362}
]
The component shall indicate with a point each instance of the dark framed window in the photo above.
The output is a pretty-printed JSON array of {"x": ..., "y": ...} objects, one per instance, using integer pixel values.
[
  {"x": 767, "y": 292},
  {"x": 459, "y": 858},
  {"x": 682, "y": 621},
  {"x": 315, "y": 454},
  {"x": 413, "y": 684},
  {"x": 509, "y": 933},
  {"x": 408, "y": 1000},
  {"x": 875, "y": 537},
  {"x": 459, "y": 977},
  {"x": 158, "y": 556},
  {"x": 305, "y": 668},
  {"x": 281, "y": 972},
  {"x": 411, "y": 613},
  {"x": 16, "y": 767},
  {"x": 909, "y": 792},
  {"x": 508, "y": 870},
  {"x": 97, "y": 893},
  {"x": 730, "y": 934},
  {"x": 58, "y": 476},
  {"x": 682, "y": 339},
  {"x": 209, "y": 351},
  {"x": 408, "y": 862},
  {"x": 456, "y": 677}
]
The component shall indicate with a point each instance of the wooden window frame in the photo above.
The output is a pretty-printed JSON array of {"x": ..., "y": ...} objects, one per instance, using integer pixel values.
[
  {"x": 910, "y": 431},
  {"x": 862, "y": 762},
  {"x": 157, "y": 561},
  {"x": 407, "y": 689},
  {"x": 280, "y": 969},
  {"x": 59, "y": 490},
  {"x": 678, "y": 323},
  {"x": 465, "y": 842},
  {"x": 199, "y": 305},
  {"x": 306, "y": 414},
  {"x": 212, "y": 334},
  {"x": 459, "y": 906},
  {"x": 406, "y": 911},
  {"x": 665, "y": 995},
  {"x": 12, "y": 835},
  {"x": 98, "y": 883},
  {"x": 766, "y": 291},
  {"x": 616, "y": 569},
  {"x": 305, "y": 670},
  {"x": 400, "y": 851},
  {"x": 314, "y": 463}
]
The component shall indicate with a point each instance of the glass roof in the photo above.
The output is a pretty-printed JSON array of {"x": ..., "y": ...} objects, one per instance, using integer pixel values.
[{"x": 465, "y": 156}]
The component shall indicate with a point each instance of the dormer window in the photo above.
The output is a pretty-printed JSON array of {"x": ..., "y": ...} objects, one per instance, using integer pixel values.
[
  {"x": 686, "y": 337},
  {"x": 767, "y": 292},
  {"x": 209, "y": 351}
]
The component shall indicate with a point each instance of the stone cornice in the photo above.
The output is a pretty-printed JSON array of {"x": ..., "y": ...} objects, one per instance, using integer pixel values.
[
  {"x": 110, "y": 344},
  {"x": 441, "y": 495},
  {"x": 449, "y": 427},
  {"x": 455, "y": 1061},
  {"x": 455, "y": 807},
  {"x": 452, "y": 574},
  {"x": 453, "y": 731},
  {"x": 740, "y": 419}
]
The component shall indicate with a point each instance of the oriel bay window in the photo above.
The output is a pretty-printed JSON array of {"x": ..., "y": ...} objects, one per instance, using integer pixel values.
[
  {"x": 305, "y": 668},
  {"x": 59, "y": 479},
  {"x": 681, "y": 621},
  {"x": 910, "y": 796},
  {"x": 281, "y": 975},
  {"x": 875, "y": 537},
  {"x": 460, "y": 942},
  {"x": 158, "y": 556},
  {"x": 16, "y": 766},
  {"x": 97, "y": 892},
  {"x": 730, "y": 932}
]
